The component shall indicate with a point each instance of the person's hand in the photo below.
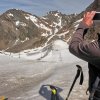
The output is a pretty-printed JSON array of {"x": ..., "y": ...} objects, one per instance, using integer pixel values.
[{"x": 88, "y": 18}]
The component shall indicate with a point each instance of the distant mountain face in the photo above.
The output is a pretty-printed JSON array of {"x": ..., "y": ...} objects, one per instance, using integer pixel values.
[
  {"x": 94, "y": 6},
  {"x": 21, "y": 30}
]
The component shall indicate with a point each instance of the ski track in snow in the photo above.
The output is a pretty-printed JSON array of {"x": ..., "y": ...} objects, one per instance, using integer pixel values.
[{"x": 21, "y": 78}]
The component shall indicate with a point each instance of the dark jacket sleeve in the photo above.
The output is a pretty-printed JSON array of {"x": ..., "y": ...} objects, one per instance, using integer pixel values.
[{"x": 89, "y": 52}]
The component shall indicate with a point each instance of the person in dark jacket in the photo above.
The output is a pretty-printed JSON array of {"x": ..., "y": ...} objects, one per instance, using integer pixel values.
[{"x": 89, "y": 52}]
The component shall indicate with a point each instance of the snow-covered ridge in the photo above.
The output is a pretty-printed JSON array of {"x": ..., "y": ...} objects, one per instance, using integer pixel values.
[
  {"x": 40, "y": 52},
  {"x": 10, "y": 15},
  {"x": 18, "y": 23},
  {"x": 39, "y": 31},
  {"x": 76, "y": 24},
  {"x": 35, "y": 20},
  {"x": 78, "y": 21},
  {"x": 63, "y": 34}
]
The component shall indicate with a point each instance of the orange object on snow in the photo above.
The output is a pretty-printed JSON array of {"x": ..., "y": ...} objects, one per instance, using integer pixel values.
[{"x": 3, "y": 98}]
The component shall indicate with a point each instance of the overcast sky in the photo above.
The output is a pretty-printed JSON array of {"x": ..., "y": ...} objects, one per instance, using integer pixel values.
[{"x": 41, "y": 7}]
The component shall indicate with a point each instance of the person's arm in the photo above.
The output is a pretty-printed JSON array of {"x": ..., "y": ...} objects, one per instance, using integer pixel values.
[{"x": 82, "y": 49}]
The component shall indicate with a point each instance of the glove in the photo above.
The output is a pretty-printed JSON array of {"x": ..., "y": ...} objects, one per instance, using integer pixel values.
[{"x": 87, "y": 19}]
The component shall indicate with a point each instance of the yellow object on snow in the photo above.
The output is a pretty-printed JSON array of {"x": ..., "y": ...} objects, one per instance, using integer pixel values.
[
  {"x": 54, "y": 91},
  {"x": 2, "y": 98}
]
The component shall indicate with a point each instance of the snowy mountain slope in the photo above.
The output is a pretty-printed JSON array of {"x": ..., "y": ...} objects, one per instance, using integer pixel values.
[
  {"x": 22, "y": 78},
  {"x": 19, "y": 28},
  {"x": 42, "y": 53},
  {"x": 21, "y": 31},
  {"x": 42, "y": 46}
]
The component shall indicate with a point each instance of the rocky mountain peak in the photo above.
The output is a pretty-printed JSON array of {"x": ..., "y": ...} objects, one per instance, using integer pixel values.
[
  {"x": 20, "y": 30},
  {"x": 15, "y": 11},
  {"x": 94, "y": 6}
]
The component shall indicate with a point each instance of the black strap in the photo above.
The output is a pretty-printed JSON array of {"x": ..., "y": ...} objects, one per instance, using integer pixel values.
[
  {"x": 79, "y": 71},
  {"x": 85, "y": 31},
  {"x": 79, "y": 29}
]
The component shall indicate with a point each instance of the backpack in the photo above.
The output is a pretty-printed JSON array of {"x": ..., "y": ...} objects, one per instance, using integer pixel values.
[{"x": 94, "y": 82}]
